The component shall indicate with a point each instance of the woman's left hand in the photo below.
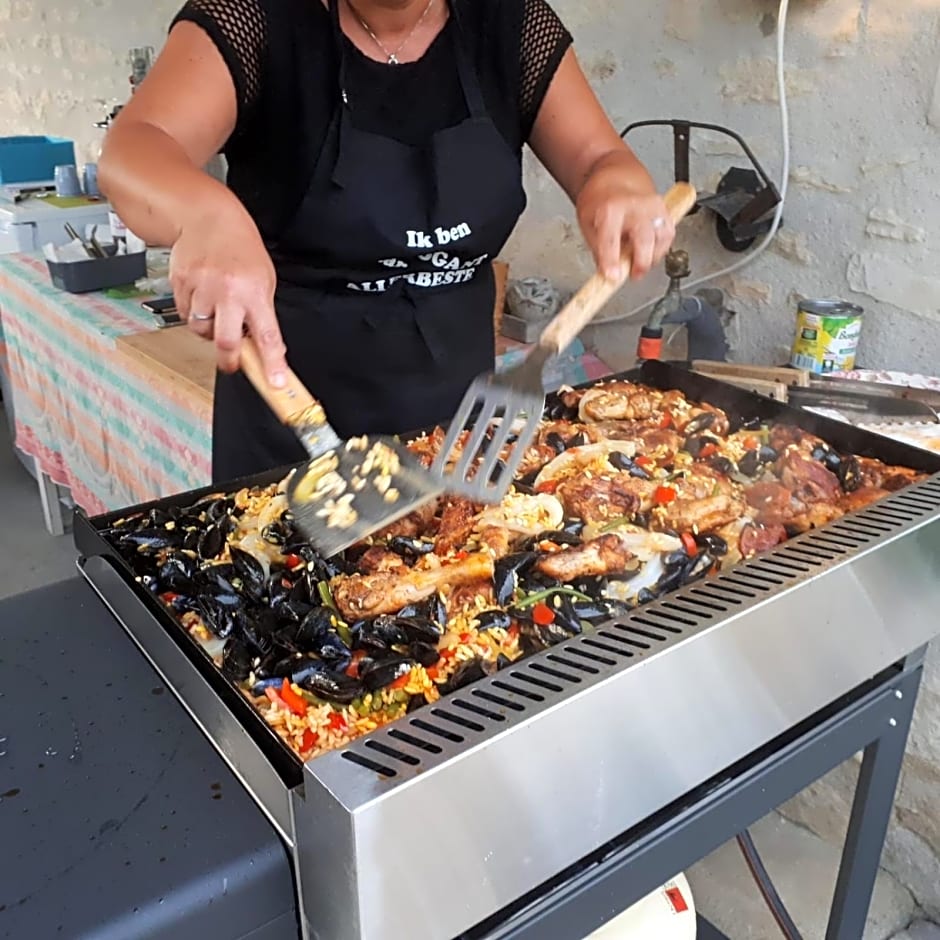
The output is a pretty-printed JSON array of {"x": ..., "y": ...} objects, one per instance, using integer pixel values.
[{"x": 622, "y": 223}]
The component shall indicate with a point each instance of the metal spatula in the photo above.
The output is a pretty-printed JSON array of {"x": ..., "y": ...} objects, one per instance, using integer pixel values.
[
  {"x": 349, "y": 489},
  {"x": 477, "y": 468}
]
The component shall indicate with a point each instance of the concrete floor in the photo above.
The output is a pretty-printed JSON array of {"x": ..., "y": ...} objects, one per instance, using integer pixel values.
[{"x": 803, "y": 864}]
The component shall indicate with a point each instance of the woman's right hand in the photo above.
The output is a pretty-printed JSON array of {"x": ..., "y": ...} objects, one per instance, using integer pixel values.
[{"x": 223, "y": 281}]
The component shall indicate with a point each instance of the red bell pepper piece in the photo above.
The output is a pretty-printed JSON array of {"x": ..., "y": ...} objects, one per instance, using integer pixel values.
[{"x": 292, "y": 700}]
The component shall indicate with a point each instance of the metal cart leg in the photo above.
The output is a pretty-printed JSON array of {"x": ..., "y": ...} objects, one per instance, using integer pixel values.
[
  {"x": 51, "y": 507},
  {"x": 871, "y": 815}
]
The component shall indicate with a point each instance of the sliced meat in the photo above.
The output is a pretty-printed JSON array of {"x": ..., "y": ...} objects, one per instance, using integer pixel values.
[
  {"x": 361, "y": 596},
  {"x": 457, "y": 521},
  {"x": 499, "y": 541},
  {"x": 772, "y": 503},
  {"x": 468, "y": 596},
  {"x": 602, "y": 499},
  {"x": 621, "y": 401},
  {"x": 601, "y": 556},
  {"x": 874, "y": 473},
  {"x": 757, "y": 538},
  {"x": 814, "y": 516},
  {"x": 808, "y": 480}
]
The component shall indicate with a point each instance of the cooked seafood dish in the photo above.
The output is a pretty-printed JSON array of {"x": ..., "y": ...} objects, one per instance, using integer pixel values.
[{"x": 627, "y": 493}]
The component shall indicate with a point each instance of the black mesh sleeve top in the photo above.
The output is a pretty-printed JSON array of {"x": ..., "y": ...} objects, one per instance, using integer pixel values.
[{"x": 283, "y": 63}]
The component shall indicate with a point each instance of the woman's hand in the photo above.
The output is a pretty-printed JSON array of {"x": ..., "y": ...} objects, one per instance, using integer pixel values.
[
  {"x": 223, "y": 280},
  {"x": 623, "y": 222}
]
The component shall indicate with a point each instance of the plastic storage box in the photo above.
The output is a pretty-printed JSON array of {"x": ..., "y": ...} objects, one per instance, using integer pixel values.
[
  {"x": 33, "y": 159},
  {"x": 81, "y": 277}
]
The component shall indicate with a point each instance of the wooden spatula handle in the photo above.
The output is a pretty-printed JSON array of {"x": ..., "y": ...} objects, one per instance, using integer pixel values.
[
  {"x": 583, "y": 307},
  {"x": 287, "y": 402}
]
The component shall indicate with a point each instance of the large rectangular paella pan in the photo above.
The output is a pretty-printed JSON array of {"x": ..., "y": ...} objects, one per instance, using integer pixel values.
[{"x": 636, "y": 486}]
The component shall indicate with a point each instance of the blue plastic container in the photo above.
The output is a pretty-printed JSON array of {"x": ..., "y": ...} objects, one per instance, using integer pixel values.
[{"x": 33, "y": 159}]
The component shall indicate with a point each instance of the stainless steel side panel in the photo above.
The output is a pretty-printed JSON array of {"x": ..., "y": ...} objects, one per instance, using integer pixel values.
[{"x": 450, "y": 838}]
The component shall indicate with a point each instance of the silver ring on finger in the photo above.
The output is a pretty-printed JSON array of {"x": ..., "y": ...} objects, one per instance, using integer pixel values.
[{"x": 202, "y": 317}]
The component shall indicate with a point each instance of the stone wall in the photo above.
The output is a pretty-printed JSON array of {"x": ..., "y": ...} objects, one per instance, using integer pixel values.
[{"x": 861, "y": 220}]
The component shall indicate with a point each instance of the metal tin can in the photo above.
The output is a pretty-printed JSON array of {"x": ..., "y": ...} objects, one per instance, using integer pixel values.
[{"x": 827, "y": 333}]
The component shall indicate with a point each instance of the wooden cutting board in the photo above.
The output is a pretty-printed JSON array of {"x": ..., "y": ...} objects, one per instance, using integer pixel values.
[{"x": 177, "y": 355}]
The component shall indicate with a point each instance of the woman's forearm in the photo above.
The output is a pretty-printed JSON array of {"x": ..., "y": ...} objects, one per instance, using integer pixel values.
[
  {"x": 623, "y": 162},
  {"x": 154, "y": 186}
]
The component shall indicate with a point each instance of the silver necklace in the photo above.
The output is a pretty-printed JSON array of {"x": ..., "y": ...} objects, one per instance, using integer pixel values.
[{"x": 391, "y": 57}]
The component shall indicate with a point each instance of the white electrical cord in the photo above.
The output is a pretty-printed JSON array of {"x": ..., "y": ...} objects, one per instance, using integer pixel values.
[{"x": 784, "y": 180}]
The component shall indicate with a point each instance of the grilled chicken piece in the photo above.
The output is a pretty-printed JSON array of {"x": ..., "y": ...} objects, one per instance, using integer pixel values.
[
  {"x": 602, "y": 499},
  {"x": 378, "y": 558},
  {"x": 808, "y": 480},
  {"x": 700, "y": 514},
  {"x": 415, "y": 524},
  {"x": 755, "y": 538},
  {"x": 363, "y": 596},
  {"x": 619, "y": 401},
  {"x": 499, "y": 541},
  {"x": 862, "y": 497},
  {"x": 874, "y": 473},
  {"x": 772, "y": 503},
  {"x": 601, "y": 556},
  {"x": 457, "y": 522}
]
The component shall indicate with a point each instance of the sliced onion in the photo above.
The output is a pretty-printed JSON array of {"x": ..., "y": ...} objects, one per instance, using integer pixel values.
[
  {"x": 524, "y": 513},
  {"x": 643, "y": 544},
  {"x": 577, "y": 458}
]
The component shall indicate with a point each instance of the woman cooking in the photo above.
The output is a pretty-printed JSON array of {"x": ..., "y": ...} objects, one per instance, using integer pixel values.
[{"x": 374, "y": 151}]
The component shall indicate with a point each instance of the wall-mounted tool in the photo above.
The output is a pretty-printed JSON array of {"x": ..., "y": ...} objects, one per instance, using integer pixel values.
[{"x": 745, "y": 199}]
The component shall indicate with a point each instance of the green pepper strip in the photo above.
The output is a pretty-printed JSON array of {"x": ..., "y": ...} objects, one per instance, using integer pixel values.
[
  {"x": 617, "y": 523},
  {"x": 540, "y": 596},
  {"x": 326, "y": 596}
]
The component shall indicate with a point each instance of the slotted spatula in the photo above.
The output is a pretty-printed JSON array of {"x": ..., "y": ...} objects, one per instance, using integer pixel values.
[
  {"x": 515, "y": 399},
  {"x": 348, "y": 489}
]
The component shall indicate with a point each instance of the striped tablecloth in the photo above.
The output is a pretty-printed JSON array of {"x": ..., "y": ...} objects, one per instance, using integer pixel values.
[
  {"x": 99, "y": 424},
  {"x": 111, "y": 430}
]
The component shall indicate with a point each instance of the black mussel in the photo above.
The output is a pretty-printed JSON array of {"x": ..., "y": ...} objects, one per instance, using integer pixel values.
[
  {"x": 508, "y": 572},
  {"x": 701, "y": 565},
  {"x": 566, "y": 615},
  {"x": 152, "y": 539},
  {"x": 592, "y": 611},
  {"x": 551, "y": 634},
  {"x": 697, "y": 443},
  {"x": 218, "y": 618},
  {"x": 420, "y": 629},
  {"x": 750, "y": 424},
  {"x": 579, "y": 440},
  {"x": 410, "y": 548},
  {"x": 334, "y": 687},
  {"x": 279, "y": 663},
  {"x": 526, "y": 489},
  {"x": 767, "y": 454},
  {"x": 177, "y": 574},
  {"x": 237, "y": 659},
  {"x": 750, "y": 463},
  {"x": 333, "y": 651},
  {"x": 303, "y": 550},
  {"x": 850, "y": 474},
  {"x": 531, "y": 640},
  {"x": 259, "y": 628},
  {"x": 722, "y": 465},
  {"x": 389, "y": 629},
  {"x": 701, "y": 422},
  {"x": 714, "y": 544},
  {"x": 556, "y": 442},
  {"x": 677, "y": 559},
  {"x": 645, "y": 595},
  {"x": 493, "y": 620},
  {"x": 159, "y": 518},
  {"x": 465, "y": 674},
  {"x": 316, "y": 623},
  {"x": 150, "y": 582},
  {"x": 191, "y": 539},
  {"x": 499, "y": 470},
  {"x": 211, "y": 543},
  {"x": 378, "y": 673},
  {"x": 557, "y": 410},
  {"x": 250, "y": 572},
  {"x": 642, "y": 518},
  {"x": 277, "y": 534},
  {"x": 325, "y": 569},
  {"x": 426, "y": 654},
  {"x": 365, "y": 638},
  {"x": 502, "y": 662},
  {"x": 573, "y": 526},
  {"x": 182, "y": 603},
  {"x": 216, "y": 579},
  {"x": 558, "y": 537},
  {"x": 432, "y": 609},
  {"x": 620, "y": 461}
]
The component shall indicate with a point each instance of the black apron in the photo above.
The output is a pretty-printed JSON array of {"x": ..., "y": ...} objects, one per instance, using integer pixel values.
[{"x": 385, "y": 284}]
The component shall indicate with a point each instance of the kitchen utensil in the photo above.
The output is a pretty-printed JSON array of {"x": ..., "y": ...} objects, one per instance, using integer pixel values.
[
  {"x": 865, "y": 406},
  {"x": 348, "y": 489},
  {"x": 515, "y": 399},
  {"x": 90, "y": 249}
]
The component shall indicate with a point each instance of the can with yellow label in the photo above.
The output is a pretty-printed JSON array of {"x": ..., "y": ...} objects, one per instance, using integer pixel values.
[{"x": 827, "y": 333}]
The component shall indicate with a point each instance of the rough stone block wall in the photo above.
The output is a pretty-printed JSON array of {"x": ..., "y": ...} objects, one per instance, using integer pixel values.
[{"x": 861, "y": 221}]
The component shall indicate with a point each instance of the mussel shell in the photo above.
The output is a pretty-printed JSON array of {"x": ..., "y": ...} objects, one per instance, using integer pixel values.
[
  {"x": 850, "y": 474},
  {"x": 695, "y": 443},
  {"x": 277, "y": 533},
  {"x": 646, "y": 595},
  {"x": 177, "y": 574},
  {"x": 712, "y": 543},
  {"x": 723, "y": 465},
  {"x": 365, "y": 638},
  {"x": 508, "y": 572},
  {"x": 425, "y": 654},
  {"x": 375, "y": 674},
  {"x": 237, "y": 659},
  {"x": 620, "y": 461},
  {"x": 701, "y": 422},
  {"x": 579, "y": 440},
  {"x": 465, "y": 674},
  {"x": 151, "y": 539},
  {"x": 271, "y": 682},
  {"x": 250, "y": 572},
  {"x": 750, "y": 463},
  {"x": 259, "y": 628},
  {"x": 420, "y": 629},
  {"x": 493, "y": 620},
  {"x": 503, "y": 662},
  {"x": 279, "y": 663},
  {"x": 432, "y": 609},
  {"x": 218, "y": 618},
  {"x": 335, "y": 687},
  {"x": 556, "y": 442},
  {"x": 410, "y": 548},
  {"x": 211, "y": 543}
]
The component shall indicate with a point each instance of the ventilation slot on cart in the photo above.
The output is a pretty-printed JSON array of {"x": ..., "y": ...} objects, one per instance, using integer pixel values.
[
  {"x": 355, "y": 758},
  {"x": 457, "y": 720},
  {"x": 536, "y": 681},
  {"x": 477, "y": 709},
  {"x": 578, "y": 650},
  {"x": 518, "y": 690},
  {"x": 436, "y": 729},
  {"x": 406, "y": 738},
  {"x": 392, "y": 752},
  {"x": 555, "y": 673},
  {"x": 497, "y": 699},
  {"x": 572, "y": 664},
  {"x": 608, "y": 647}
]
